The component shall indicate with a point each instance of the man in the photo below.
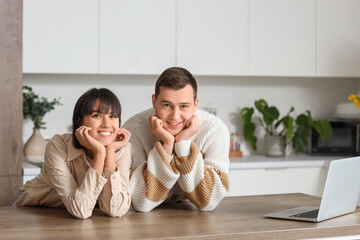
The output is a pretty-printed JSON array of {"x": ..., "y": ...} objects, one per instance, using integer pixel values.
[{"x": 178, "y": 151}]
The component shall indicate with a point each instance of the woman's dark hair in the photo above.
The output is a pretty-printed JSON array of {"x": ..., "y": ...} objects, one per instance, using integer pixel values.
[
  {"x": 175, "y": 78},
  {"x": 85, "y": 104}
]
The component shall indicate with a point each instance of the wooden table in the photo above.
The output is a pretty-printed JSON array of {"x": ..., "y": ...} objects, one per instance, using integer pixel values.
[{"x": 235, "y": 218}]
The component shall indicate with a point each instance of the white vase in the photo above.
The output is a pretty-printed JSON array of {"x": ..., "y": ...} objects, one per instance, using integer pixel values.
[
  {"x": 34, "y": 149},
  {"x": 275, "y": 146}
]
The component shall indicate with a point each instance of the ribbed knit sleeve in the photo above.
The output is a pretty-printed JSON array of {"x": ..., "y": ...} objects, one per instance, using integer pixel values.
[
  {"x": 152, "y": 172},
  {"x": 204, "y": 175}
]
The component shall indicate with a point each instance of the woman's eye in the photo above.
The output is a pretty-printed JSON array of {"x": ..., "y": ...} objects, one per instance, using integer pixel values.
[
  {"x": 114, "y": 116},
  {"x": 96, "y": 115}
]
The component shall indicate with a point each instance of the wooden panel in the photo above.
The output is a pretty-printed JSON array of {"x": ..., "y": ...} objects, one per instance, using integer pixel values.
[
  {"x": 10, "y": 98},
  {"x": 9, "y": 185}
]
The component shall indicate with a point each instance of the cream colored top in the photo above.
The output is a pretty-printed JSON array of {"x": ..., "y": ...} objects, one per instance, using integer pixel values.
[
  {"x": 198, "y": 169},
  {"x": 69, "y": 180}
]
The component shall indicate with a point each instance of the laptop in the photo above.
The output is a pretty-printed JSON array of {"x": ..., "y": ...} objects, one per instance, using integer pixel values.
[{"x": 341, "y": 193}]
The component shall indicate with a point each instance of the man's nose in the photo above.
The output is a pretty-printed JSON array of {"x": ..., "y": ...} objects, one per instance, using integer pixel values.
[{"x": 175, "y": 113}]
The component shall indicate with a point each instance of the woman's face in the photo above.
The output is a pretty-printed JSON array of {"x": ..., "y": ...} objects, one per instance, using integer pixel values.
[{"x": 104, "y": 126}]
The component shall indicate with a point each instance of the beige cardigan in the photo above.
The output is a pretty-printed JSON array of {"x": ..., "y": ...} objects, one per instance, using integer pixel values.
[{"x": 69, "y": 180}]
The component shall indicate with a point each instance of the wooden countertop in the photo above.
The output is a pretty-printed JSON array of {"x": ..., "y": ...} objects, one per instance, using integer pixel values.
[{"x": 235, "y": 218}]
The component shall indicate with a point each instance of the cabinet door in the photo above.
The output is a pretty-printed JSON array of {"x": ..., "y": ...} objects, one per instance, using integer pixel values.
[
  {"x": 277, "y": 181},
  {"x": 137, "y": 37},
  {"x": 60, "y": 36},
  {"x": 338, "y": 38},
  {"x": 212, "y": 36},
  {"x": 282, "y": 38}
]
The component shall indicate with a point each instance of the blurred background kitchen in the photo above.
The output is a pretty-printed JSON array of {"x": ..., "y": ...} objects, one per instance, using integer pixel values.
[
  {"x": 297, "y": 53},
  {"x": 301, "y": 53}
]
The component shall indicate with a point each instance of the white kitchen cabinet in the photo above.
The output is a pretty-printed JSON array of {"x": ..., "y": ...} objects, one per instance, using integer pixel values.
[
  {"x": 137, "y": 37},
  {"x": 282, "y": 37},
  {"x": 30, "y": 171},
  {"x": 60, "y": 36},
  {"x": 212, "y": 36},
  {"x": 338, "y": 38},
  {"x": 308, "y": 180}
]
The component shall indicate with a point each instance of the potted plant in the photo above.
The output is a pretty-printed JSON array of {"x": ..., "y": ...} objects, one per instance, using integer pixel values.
[
  {"x": 35, "y": 108},
  {"x": 355, "y": 98},
  {"x": 288, "y": 130}
]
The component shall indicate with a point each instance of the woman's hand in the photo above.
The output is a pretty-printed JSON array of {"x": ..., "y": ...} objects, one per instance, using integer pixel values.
[
  {"x": 87, "y": 141},
  {"x": 121, "y": 140}
]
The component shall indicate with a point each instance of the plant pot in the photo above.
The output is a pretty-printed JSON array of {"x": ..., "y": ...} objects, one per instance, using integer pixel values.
[
  {"x": 34, "y": 149},
  {"x": 275, "y": 146}
]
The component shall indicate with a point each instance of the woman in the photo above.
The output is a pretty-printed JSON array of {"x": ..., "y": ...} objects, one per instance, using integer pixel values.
[{"x": 91, "y": 164}]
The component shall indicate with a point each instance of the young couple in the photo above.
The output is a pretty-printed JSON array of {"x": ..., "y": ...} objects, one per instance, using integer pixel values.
[{"x": 175, "y": 152}]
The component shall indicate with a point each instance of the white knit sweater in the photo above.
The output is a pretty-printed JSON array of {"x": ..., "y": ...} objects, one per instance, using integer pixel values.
[{"x": 197, "y": 170}]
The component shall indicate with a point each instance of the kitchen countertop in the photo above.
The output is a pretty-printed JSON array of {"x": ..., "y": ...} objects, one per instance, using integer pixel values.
[
  {"x": 30, "y": 169},
  {"x": 291, "y": 161},
  {"x": 245, "y": 162}
]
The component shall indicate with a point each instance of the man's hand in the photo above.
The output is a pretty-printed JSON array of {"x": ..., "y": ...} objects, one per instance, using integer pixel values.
[
  {"x": 191, "y": 128},
  {"x": 121, "y": 140},
  {"x": 156, "y": 126}
]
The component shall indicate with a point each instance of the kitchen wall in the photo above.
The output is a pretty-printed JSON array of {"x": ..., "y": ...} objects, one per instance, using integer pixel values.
[{"x": 227, "y": 94}]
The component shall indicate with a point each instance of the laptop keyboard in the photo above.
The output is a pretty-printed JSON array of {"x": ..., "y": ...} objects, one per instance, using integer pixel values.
[{"x": 310, "y": 214}]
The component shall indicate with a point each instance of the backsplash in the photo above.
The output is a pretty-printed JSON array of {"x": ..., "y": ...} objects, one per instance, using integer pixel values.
[{"x": 225, "y": 95}]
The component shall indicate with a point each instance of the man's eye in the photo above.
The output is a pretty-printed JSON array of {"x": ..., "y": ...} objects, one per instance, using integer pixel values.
[
  {"x": 183, "y": 106},
  {"x": 166, "y": 105}
]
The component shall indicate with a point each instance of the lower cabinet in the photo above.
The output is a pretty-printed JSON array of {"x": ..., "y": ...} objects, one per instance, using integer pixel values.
[{"x": 308, "y": 180}]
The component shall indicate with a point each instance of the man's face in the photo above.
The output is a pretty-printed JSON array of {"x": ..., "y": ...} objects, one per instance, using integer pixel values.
[{"x": 174, "y": 107}]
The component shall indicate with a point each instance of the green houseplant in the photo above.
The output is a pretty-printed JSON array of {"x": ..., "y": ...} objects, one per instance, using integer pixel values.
[
  {"x": 35, "y": 108},
  {"x": 293, "y": 129}
]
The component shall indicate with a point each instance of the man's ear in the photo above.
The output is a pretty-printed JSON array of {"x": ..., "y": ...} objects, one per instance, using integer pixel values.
[
  {"x": 196, "y": 104},
  {"x": 153, "y": 100}
]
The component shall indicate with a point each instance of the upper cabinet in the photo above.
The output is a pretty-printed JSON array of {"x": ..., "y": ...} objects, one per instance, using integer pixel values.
[
  {"x": 212, "y": 36},
  {"x": 137, "y": 36},
  {"x": 282, "y": 38},
  {"x": 60, "y": 36},
  {"x": 208, "y": 37},
  {"x": 338, "y": 38}
]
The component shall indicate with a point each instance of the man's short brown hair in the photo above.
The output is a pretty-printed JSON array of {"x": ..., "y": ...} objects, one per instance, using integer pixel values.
[{"x": 175, "y": 78}]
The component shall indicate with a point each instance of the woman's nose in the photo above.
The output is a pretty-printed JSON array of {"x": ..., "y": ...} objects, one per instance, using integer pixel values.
[{"x": 105, "y": 121}]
